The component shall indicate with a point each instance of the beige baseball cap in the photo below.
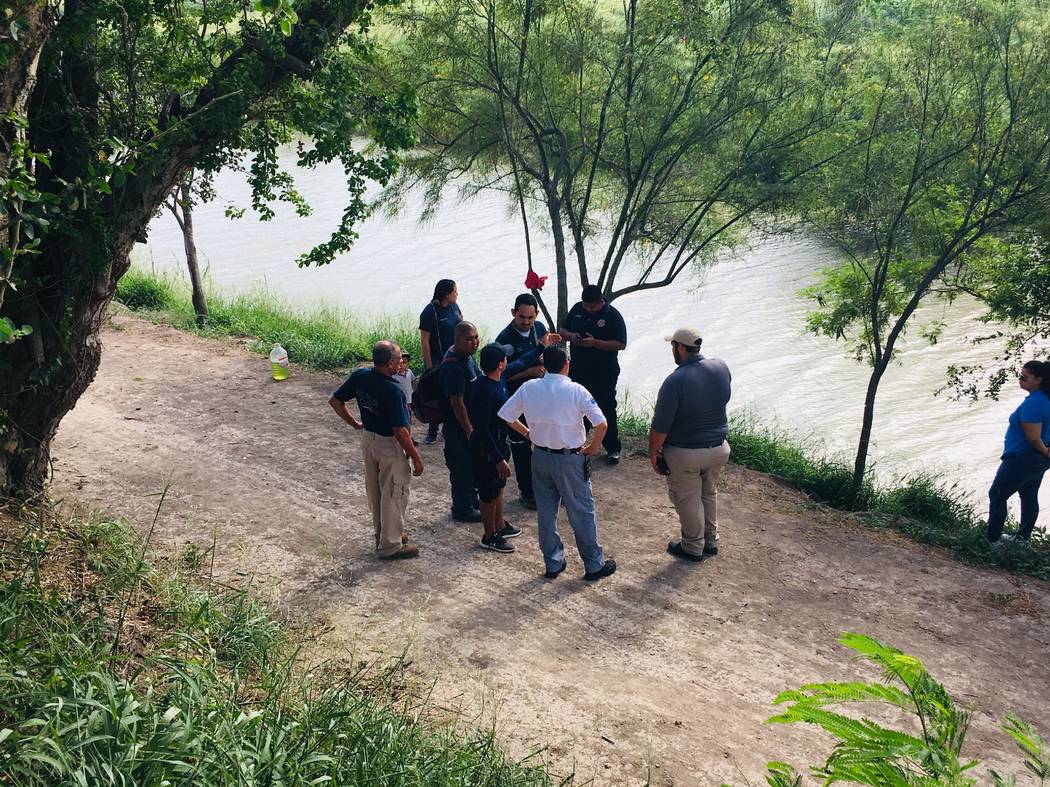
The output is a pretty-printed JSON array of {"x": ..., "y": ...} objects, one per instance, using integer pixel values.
[{"x": 690, "y": 337}]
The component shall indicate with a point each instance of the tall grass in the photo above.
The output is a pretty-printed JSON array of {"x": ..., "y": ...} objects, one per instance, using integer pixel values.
[
  {"x": 318, "y": 338},
  {"x": 204, "y": 688}
]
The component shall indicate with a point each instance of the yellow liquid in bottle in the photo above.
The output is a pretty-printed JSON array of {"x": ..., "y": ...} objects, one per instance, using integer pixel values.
[{"x": 279, "y": 372}]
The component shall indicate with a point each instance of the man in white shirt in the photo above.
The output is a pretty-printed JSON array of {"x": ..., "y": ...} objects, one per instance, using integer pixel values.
[{"x": 555, "y": 407}]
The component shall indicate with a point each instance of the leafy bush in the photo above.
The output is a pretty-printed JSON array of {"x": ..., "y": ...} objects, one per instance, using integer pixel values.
[
  {"x": 926, "y": 751},
  {"x": 140, "y": 291}
]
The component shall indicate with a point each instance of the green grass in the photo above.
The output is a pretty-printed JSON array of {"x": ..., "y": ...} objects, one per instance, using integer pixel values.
[
  {"x": 114, "y": 670},
  {"x": 317, "y": 339},
  {"x": 924, "y": 507}
]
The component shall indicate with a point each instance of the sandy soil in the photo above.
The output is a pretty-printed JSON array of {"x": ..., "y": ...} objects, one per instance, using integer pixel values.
[{"x": 663, "y": 672}]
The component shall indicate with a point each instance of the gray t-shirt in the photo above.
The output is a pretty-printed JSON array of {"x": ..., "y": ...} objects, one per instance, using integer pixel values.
[{"x": 691, "y": 405}]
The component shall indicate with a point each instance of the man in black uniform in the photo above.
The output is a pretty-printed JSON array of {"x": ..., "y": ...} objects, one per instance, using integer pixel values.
[
  {"x": 597, "y": 333},
  {"x": 457, "y": 374},
  {"x": 525, "y": 334}
]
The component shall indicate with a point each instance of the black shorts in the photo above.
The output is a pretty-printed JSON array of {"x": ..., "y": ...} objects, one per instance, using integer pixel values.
[{"x": 487, "y": 480}]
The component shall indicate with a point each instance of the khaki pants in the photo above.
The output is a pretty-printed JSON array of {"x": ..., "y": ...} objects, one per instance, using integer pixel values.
[
  {"x": 694, "y": 482},
  {"x": 387, "y": 477}
]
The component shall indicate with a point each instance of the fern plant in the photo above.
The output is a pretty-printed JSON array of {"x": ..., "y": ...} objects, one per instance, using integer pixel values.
[{"x": 868, "y": 753}]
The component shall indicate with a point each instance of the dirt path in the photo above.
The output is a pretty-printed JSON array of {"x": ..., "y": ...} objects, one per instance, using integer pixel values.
[{"x": 663, "y": 672}]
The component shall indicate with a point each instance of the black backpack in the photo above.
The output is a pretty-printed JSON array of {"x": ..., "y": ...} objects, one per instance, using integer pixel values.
[{"x": 428, "y": 397}]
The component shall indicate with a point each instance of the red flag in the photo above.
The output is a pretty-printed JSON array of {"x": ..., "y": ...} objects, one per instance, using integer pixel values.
[{"x": 534, "y": 281}]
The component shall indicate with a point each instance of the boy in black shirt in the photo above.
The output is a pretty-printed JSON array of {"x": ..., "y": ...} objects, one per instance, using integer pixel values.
[{"x": 489, "y": 451}]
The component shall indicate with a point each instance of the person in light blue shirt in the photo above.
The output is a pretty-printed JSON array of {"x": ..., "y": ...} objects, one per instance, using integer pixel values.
[{"x": 1026, "y": 456}]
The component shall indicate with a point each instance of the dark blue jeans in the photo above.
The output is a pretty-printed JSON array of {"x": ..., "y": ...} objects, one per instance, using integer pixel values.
[
  {"x": 460, "y": 471},
  {"x": 1018, "y": 474}
]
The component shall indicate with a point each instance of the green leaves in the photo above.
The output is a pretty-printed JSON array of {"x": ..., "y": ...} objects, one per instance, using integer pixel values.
[
  {"x": 869, "y": 753},
  {"x": 9, "y": 333}
]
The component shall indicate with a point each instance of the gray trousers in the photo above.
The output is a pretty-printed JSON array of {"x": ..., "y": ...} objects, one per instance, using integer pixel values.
[
  {"x": 387, "y": 478},
  {"x": 692, "y": 485},
  {"x": 557, "y": 479}
]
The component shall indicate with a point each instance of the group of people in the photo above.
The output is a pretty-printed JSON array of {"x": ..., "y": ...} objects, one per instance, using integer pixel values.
[{"x": 530, "y": 404}]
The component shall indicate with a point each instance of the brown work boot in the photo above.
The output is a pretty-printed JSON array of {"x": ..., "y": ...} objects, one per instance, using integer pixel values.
[{"x": 406, "y": 551}]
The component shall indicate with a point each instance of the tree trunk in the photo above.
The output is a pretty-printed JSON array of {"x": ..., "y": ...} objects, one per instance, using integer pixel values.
[
  {"x": 558, "y": 233},
  {"x": 860, "y": 462},
  {"x": 200, "y": 303}
]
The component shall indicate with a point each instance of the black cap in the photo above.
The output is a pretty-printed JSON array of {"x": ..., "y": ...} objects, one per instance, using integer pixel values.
[{"x": 492, "y": 354}]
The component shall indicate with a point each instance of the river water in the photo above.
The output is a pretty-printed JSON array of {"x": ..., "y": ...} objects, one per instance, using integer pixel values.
[{"x": 746, "y": 304}]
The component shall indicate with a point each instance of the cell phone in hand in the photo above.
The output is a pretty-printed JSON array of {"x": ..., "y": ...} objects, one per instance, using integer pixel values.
[{"x": 661, "y": 465}]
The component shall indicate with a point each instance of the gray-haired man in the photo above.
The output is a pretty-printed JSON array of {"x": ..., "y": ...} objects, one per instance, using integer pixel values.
[{"x": 687, "y": 441}]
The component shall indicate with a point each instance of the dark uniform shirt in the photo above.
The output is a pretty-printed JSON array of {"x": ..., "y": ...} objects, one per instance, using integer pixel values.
[
  {"x": 440, "y": 322},
  {"x": 691, "y": 405},
  {"x": 523, "y": 346},
  {"x": 380, "y": 400},
  {"x": 489, "y": 437},
  {"x": 606, "y": 324},
  {"x": 457, "y": 376}
]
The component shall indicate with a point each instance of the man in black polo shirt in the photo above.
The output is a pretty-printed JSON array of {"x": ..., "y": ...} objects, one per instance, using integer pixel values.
[
  {"x": 386, "y": 446},
  {"x": 597, "y": 333},
  {"x": 457, "y": 374},
  {"x": 687, "y": 442},
  {"x": 525, "y": 335}
]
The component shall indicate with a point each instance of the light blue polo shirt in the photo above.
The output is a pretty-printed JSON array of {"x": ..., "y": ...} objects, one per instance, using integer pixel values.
[{"x": 1035, "y": 409}]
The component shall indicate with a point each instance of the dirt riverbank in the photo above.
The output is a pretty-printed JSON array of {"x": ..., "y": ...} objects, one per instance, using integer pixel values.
[{"x": 663, "y": 672}]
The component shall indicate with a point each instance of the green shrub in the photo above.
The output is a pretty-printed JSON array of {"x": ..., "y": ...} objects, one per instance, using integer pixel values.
[
  {"x": 925, "y": 750},
  {"x": 203, "y": 687},
  {"x": 140, "y": 291}
]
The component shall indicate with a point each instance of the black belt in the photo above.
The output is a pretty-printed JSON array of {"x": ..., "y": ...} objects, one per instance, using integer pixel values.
[
  {"x": 696, "y": 447},
  {"x": 556, "y": 450}
]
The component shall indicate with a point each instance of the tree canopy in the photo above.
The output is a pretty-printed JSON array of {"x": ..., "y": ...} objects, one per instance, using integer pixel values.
[
  {"x": 644, "y": 138},
  {"x": 127, "y": 97}
]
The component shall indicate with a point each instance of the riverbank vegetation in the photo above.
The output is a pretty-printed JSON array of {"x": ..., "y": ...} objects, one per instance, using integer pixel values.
[
  {"x": 314, "y": 338},
  {"x": 117, "y": 668},
  {"x": 924, "y": 507}
]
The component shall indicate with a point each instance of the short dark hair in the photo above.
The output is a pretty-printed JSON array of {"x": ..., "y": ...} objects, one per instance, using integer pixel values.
[
  {"x": 384, "y": 352},
  {"x": 443, "y": 289},
  {"x": 592, "y": 293},
  {"x": 526, "y": 299},
  {"x": 692, "y": 349},
  {"x": 554, "y": 358}
]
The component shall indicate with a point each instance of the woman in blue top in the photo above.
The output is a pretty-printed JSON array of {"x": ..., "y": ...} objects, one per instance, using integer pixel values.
[
  {"x": 1026, "y": 456},
  {"x": 437, "y": 324}
]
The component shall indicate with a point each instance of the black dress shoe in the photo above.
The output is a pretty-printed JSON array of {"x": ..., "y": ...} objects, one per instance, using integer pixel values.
[
  {"x": 607, "y": 568},
  {"x": 676, "y": 549},
  {"x": 555, "y": 572},
  {"x": 471, "y": 516},
  {"x": 710, "y": 551}
]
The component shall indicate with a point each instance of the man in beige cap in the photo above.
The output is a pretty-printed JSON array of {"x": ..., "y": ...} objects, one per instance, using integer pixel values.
[{"x": 687, "y": 442}]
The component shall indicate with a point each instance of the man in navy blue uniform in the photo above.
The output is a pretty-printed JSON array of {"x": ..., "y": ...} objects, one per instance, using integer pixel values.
[
  {"x": 597, "y": 333},
  {"x": 526, "y": 336},
  {"x": 386, "y": 446},
  {"x": 457, "y": 374}
]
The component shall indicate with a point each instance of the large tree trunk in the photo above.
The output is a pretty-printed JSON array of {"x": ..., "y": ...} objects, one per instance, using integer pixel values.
[{"x": 66, "y": 288}]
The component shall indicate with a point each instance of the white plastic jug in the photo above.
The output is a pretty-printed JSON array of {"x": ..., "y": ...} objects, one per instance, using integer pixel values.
[{"x": 279, "y": 362}]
